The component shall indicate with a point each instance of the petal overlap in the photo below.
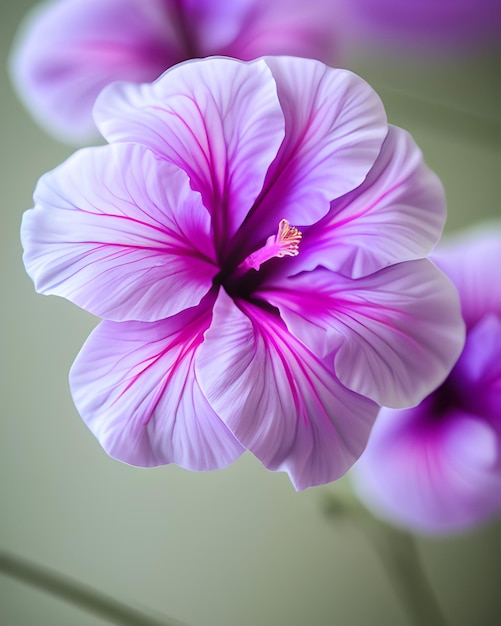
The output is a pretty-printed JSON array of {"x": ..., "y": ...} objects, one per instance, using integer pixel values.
[
  {"x": 338, "y": 119},
  {"x": 121, "y": 234},
  {"x": 281, "y": 402},
  {"x": 88, "y": 44},
  {"x": 219, "y": 122},
  {"x": 395, "y": 334},
  {"x": 397, "y": 214},
  {"x": 254, "y": 239},
  {"x": 135, "y": 387}
]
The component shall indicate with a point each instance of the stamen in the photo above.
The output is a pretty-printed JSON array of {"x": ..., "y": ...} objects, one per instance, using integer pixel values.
[{"x": 284, "y": 243}]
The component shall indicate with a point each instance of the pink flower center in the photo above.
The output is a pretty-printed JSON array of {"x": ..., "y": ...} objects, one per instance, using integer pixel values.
[{"x": 284, "y": 243}]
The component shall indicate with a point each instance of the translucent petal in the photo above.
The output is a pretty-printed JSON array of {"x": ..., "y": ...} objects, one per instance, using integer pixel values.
[
  {"x": 218, "y": 119},
  {"x": 134, "y": 385},
  {"x": 397, "y": 214},
  {"x": 121, "y": 234},
  {"x": 396, "y": 334},
  {"x": 280, "y": 401}
]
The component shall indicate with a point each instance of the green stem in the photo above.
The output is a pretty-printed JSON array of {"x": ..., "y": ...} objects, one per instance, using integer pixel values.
[
  {"x": 76, "y": 593},
  {"x": 404, "y": 567},
  {"x": 399, "y": 555}
]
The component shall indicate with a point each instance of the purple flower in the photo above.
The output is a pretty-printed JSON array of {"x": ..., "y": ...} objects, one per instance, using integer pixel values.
[
  {"x": 68, "y": 50},
  {"x": 437, "y": 467},
  {"x": 254, "y": 238},
  {"x": 439, "y": 23}
]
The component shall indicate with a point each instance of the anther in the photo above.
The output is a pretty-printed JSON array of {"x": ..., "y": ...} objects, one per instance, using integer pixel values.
[{"x": 284, "y": 243}]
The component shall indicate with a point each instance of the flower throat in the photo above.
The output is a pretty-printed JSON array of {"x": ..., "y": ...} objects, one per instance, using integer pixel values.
[{"x": 242, "y": 281}]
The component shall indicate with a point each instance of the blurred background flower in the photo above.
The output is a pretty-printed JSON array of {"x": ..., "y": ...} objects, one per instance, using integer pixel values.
[
  {"x": 437, "y": 467},
  {"x": 67, "y": 50},
  {"x": 427, "y": 26}
]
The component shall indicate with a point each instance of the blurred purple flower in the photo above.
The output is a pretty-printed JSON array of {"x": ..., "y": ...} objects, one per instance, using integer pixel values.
[
  {"x": 254, "y": 237},
  {"x": 68, "y": 50},
  {"x": 436, "y": 468},
  {"x": 425, "y": 23}
]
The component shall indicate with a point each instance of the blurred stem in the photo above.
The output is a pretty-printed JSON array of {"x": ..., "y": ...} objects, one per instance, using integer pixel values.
[
  {"x": 76, "y": 593},
  {"x": 398, "y": 553}
]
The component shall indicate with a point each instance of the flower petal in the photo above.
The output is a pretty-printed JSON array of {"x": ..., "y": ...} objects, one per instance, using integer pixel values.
[
  {"x": 218, "y": 119},
  {"x": 397, "y": 214},
  {"x": 431, "y": 476},
  {"x": 335, "y": 125},
  {"x": 134, "y": 385},
  {"x": 67, "y": 51},
  {"x": 280, "y": 401},
  {"x": 396, "y": 333},
  {"x": 478, "y": 371},
  {"x": 472, "y": 260},
  {"x": 121, "y": 234},
  {"x": 283, "y": 27}
]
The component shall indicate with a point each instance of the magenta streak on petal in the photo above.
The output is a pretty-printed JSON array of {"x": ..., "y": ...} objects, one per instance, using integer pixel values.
[
  {"x": 324, "y": 232},
  {"x": 216, "y": 203},
  {"x": 270, "y": 339},
  {"x": 271, "y": 183},
  {"x": 280, "y": 400},
  {"x": 179, "y": 251},
  {"x": 272, "y": 332},
  {"x": 162, "y": 229},
  {"x": 325, "y": 229},
  {"x": 305, "y": 383},
  {"x": 219, "y": 199},
  {"x": 188, "y": 338}
]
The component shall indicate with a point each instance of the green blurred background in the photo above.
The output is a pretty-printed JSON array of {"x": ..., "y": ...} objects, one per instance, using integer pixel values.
[{"x": 238, "y": 547}]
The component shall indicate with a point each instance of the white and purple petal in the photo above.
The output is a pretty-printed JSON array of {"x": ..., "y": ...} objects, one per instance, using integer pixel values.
[
  {"x": 395, "y": 334},
  {"x": 135, "y": 387},
  {"x": 121, "y": 234},
  {"x": 335, "y": 125},
  {"x": 218, "y": 119},
  {"x": 397, "y": 214},
  {"x": 280, "y": 401}
]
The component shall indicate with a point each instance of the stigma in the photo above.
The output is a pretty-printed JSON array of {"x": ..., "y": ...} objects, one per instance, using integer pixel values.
[{"x": 284, "y": 243}]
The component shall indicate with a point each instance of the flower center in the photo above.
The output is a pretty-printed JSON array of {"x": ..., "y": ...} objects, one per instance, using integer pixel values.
[{"x": 284, "y": 243}]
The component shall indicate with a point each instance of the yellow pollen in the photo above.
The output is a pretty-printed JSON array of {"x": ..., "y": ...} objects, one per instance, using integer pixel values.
[{"x": 288, "y": 238}]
